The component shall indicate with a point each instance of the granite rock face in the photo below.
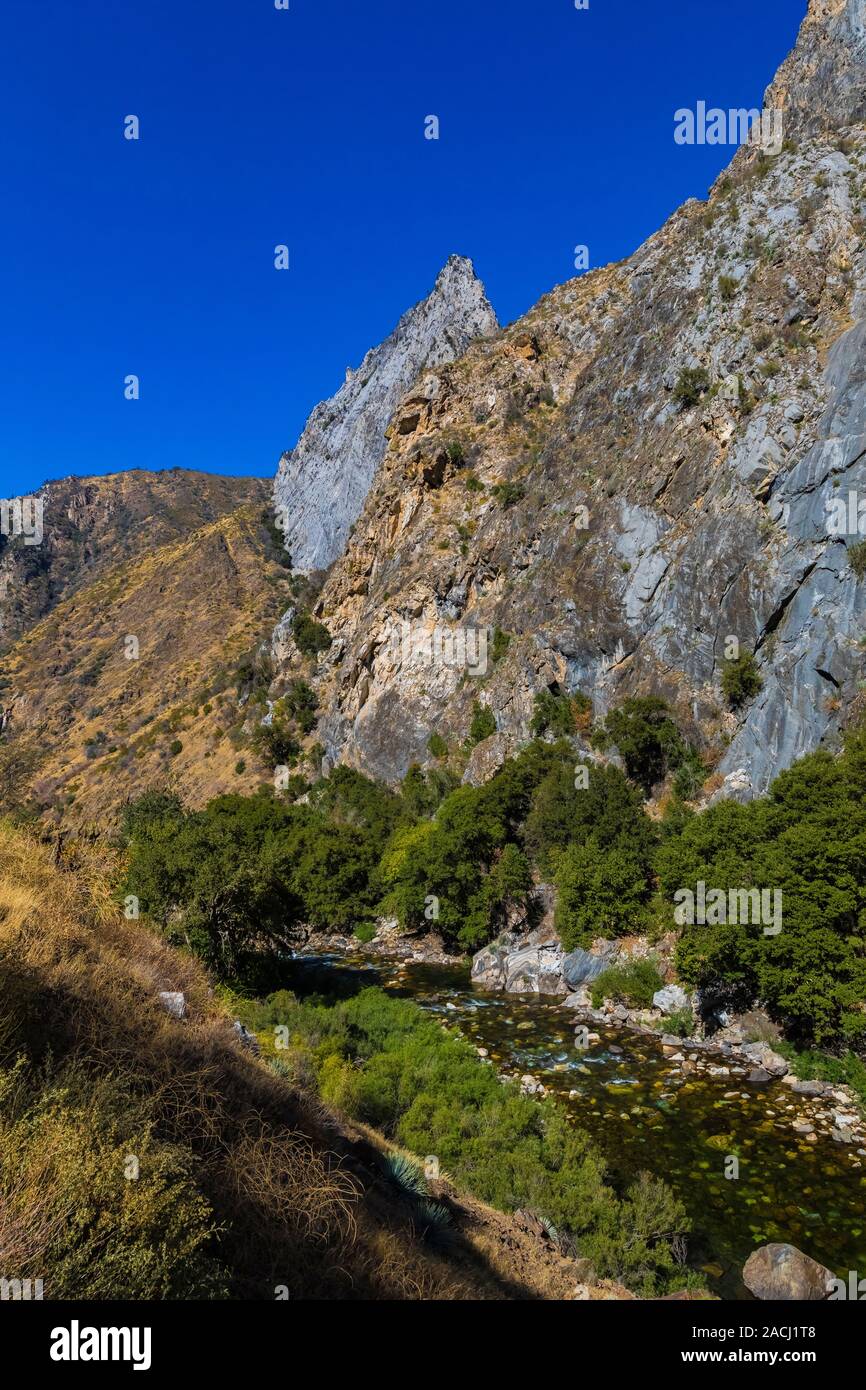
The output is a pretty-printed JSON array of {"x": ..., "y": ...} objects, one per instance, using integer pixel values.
[
  {"x": 321, "y": 485},
  {"x": 642, "y": 471},
  {"x": 822, "y": 86}
]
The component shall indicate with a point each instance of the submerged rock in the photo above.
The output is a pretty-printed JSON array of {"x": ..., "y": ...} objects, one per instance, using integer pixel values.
[{"x": 784, "y": 1272}]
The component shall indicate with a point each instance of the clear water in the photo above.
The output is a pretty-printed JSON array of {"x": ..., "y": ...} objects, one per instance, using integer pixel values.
[{"x": 646, "y": 1114}]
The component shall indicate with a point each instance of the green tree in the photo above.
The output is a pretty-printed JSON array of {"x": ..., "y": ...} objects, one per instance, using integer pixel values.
[
  {"x": 600, "y": 893},
  {"x": 483, "y": 723},
  {"x": 647, "y": 738},
  {"x": 741, "y": 680}
]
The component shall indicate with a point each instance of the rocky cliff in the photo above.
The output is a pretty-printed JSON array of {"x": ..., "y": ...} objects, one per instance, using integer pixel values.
[
  {"x": 321, "y": 485},
  {"x": 644, "y": 470}
]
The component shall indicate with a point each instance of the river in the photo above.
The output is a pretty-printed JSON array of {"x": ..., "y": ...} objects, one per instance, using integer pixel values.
[{"x": 644, "y": 1112}]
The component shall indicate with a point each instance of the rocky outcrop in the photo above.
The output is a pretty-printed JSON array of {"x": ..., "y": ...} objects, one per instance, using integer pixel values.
[
  {"x": 322, "y": 483},
  {"x": 760, "y": 1055},
  {"x": 525, "y": 970},
  {"x": 637, "y": 473},
  {"x": 672, "y": 999},
  {"x": 822, "y": 86},
  {"x": 784, "y": 1273}
]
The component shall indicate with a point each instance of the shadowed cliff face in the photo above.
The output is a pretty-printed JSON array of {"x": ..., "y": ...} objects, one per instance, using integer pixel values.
[
  {"x": 322, "y": 483},
  {"x": 643, "y": 470}
]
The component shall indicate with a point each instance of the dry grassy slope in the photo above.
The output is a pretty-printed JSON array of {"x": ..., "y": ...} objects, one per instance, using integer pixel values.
[
  {"x": 299, "y": 1197},
  {"x": 195, "y": 602},
  {"x": 93, "y": 525}
]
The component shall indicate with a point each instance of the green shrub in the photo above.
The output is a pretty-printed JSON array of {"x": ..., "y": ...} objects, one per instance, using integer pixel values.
[
  {"x": 500, "y": 644},
  {"x": 741, "y": 680},
  {"x": 483, "y": 723},
  {"x": 553, "y": 713},
  {"x": 175, "y": 747},
  {"x": 311, "y": 637},
  {"x": 728, "y": 287},
  {"x": 633, "y": 984},
  {"x": 691, "y": 384},
  {"x": 437, "y": 746},
  {"x": 300, "y": 704},
  {"x": 508, "y": 494},
  {"x": 681, "y": 1023}
]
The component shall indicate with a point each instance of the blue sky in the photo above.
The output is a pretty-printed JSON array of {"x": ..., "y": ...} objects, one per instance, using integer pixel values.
[{"x": 261, "y": 127}]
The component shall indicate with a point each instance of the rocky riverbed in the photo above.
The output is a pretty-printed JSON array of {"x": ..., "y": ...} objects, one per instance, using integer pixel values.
[{"x": 683, "y": 1109}]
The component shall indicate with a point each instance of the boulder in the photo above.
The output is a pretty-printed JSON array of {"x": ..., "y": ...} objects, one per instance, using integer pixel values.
[
  {"x": 534, "y": 970},
  {"x": 488, "y": 967},
  {"x": 671, "y": 1000},
  {"x": 763, "y": 1056},
  {"x": 784, "y": 1272},
  {"x": 582, "y": 967},
  {"x": 807, "y": 1088},
  {"x": 174, "y": 1003}
]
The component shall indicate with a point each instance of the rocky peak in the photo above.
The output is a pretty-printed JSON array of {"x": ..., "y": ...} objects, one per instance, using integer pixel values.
[
  {"x": 822, "y": 85},
  {"x": 321, "y": 485},
  {"x": 638, "y": 478}
]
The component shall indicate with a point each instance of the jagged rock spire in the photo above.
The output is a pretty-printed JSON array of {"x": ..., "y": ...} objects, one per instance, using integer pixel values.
[{"x": 321, "y": 485}]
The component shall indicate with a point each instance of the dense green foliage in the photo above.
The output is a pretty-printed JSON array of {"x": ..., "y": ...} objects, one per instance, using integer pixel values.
[
  {"x": 557, "y": 713},
  {"x": 634, "y": 983},
  {"x": 646, "y": 737},
  {"x": 806, "y": 840},
  {"x": 741, "y": 680},
  {"x": 236, "y": 879},
  {"x": 386, "y": 1062}
]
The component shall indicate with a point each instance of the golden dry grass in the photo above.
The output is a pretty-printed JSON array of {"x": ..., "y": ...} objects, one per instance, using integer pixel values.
[{"x": 296, "y": 1197}]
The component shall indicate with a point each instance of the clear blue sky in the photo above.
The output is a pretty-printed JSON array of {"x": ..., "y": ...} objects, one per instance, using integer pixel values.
[{"x": 306, "y": 127}]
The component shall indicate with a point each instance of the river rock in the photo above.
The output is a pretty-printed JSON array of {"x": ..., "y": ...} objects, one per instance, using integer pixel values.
[
  {"x": 805, "y": 1088},
  {"x": 534, "y": 970},
  {"x": 582, "y": 967},
  {"x": 488, "y": 967},
  {"x": 784, "y": 1272},
  {"x": 763, "y": 1056},
  {"x": 671, "y": 1000}
]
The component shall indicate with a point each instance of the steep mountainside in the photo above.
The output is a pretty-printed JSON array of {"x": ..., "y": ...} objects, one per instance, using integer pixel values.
[
  {"x": 643, "y": 468},
  {"x": 322, "y": 483},
  {"x": 92, "y": 525},
  {"x": 131, "y": 678}
]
